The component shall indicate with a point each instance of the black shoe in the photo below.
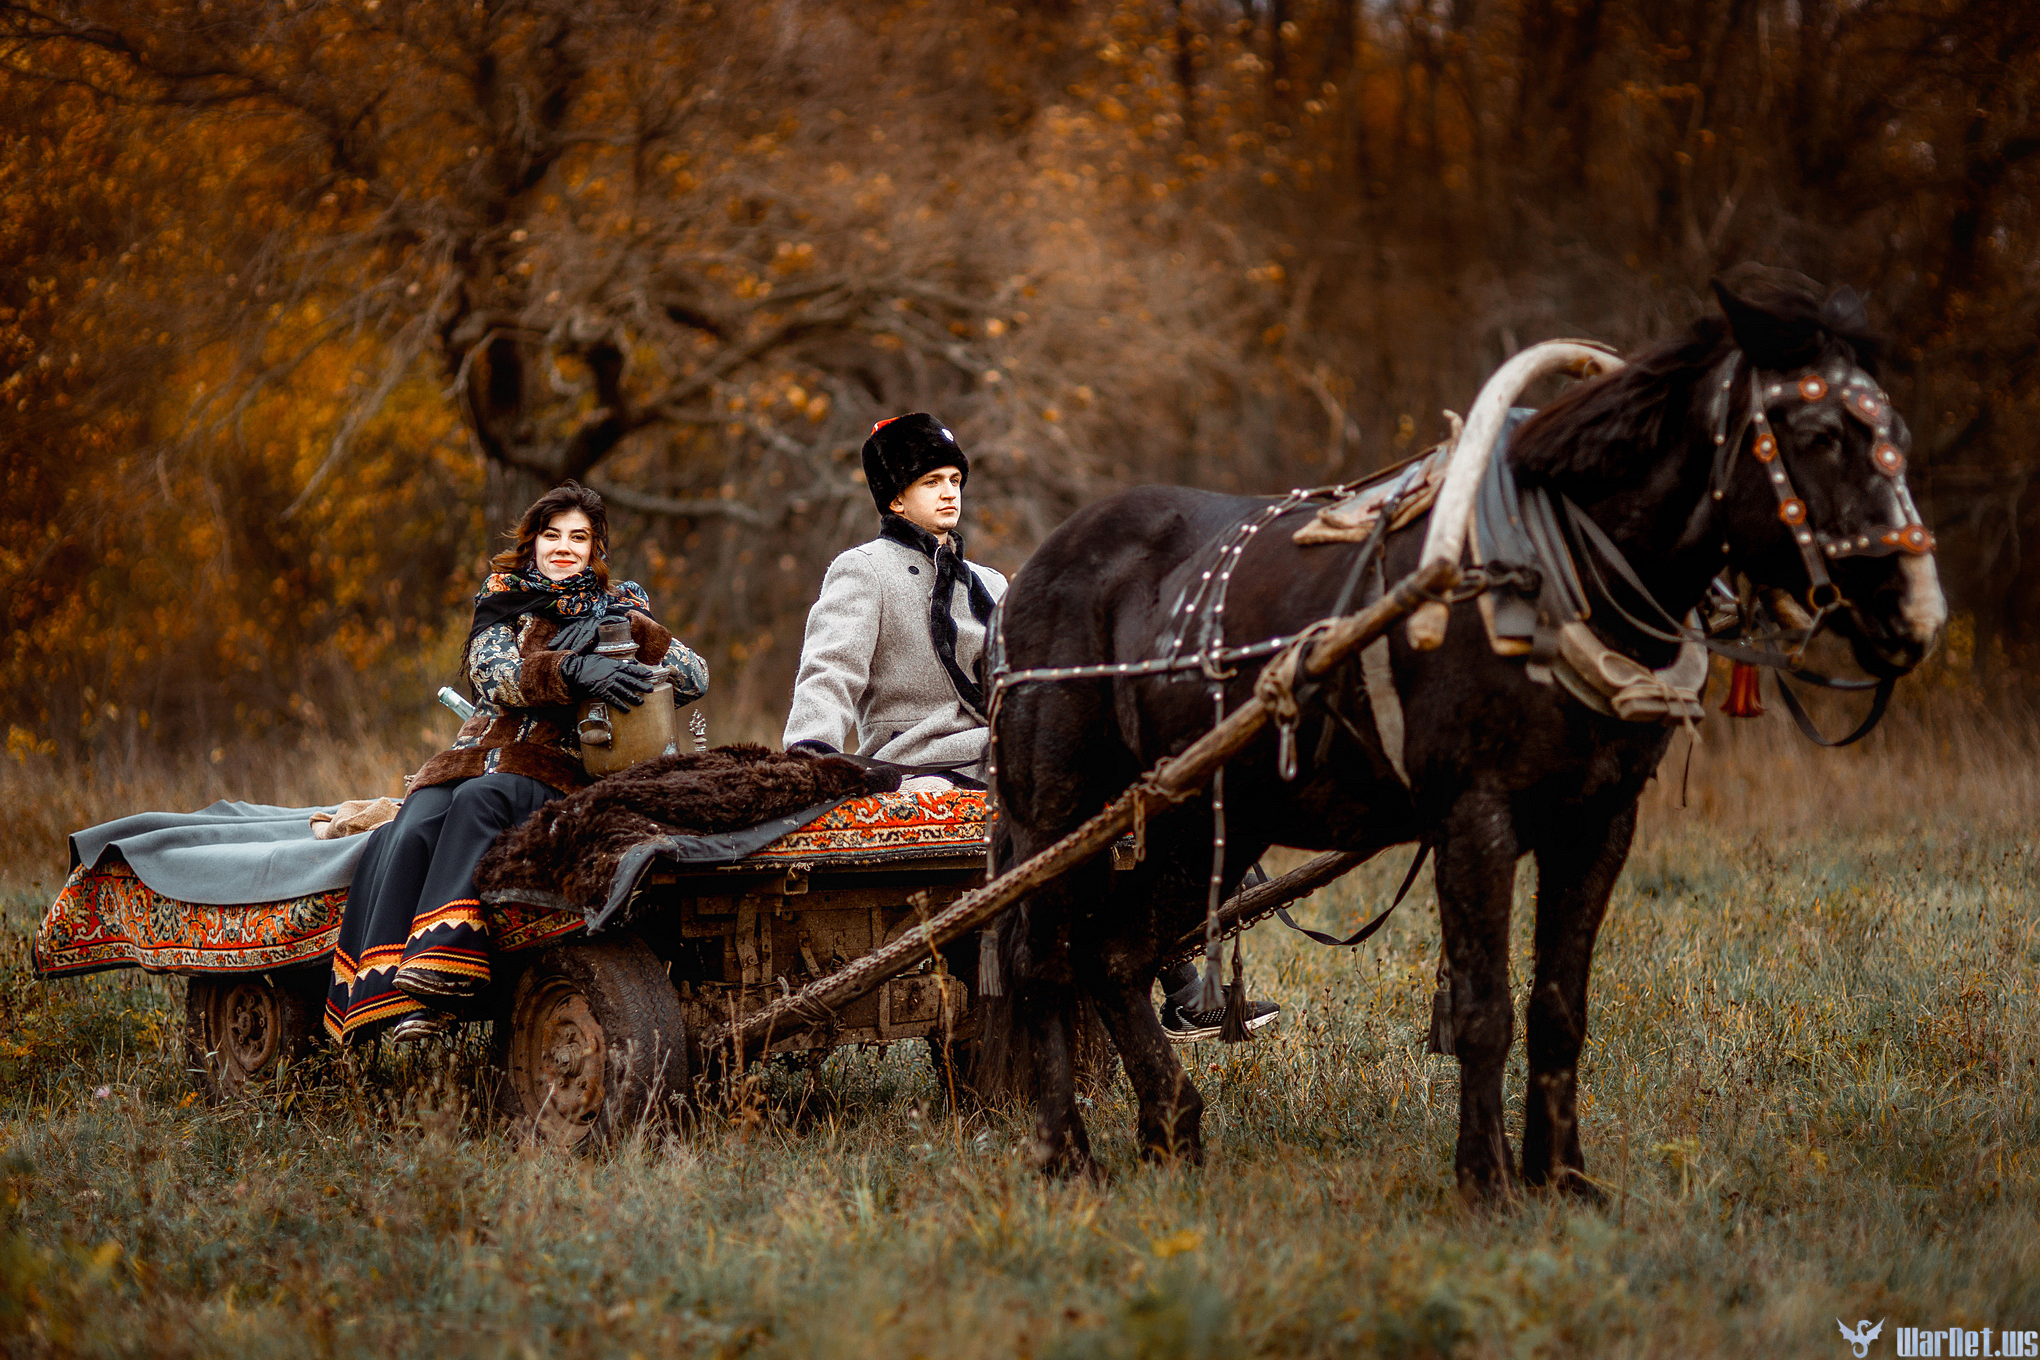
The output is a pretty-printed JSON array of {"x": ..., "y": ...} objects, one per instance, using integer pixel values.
[
  {"x": 420, "y": 1025},
  {"x": 1187, "y": 1027}
]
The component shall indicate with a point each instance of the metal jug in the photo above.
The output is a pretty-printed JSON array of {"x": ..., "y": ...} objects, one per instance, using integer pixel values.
[{"x": 617, "y": 738}]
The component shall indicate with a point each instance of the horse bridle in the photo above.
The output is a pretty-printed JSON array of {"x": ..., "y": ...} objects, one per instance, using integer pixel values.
[
  {"x": 1866, "y": 402},
  {"x": 1861, "y": 397}
]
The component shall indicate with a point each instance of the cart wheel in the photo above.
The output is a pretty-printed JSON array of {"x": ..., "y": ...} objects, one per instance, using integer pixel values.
[
  {"x": 593, "y": 1043},
  {"x": 242, "y": 1028}
]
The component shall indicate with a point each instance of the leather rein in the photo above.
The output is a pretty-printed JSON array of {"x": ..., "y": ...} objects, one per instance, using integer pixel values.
[{"x": 1860, "y": 396}]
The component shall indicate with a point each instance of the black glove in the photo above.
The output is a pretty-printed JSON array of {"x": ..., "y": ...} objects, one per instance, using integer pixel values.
[
  {"x": 613, "y": 680},
  {"x": 576, "y": 636},
  {"x": 813, "y": 746}
]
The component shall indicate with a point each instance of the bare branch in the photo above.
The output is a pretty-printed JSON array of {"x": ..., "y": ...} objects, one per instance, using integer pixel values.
[{"x": 644, "y": 503}]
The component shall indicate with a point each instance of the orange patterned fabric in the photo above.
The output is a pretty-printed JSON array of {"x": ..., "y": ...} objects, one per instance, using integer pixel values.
[
  {"x": 106, "y": 917},
  {"x": 887, "y": 826}
]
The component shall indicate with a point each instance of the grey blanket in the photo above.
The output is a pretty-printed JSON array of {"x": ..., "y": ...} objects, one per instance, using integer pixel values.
[{"x": 227, "y": 854}]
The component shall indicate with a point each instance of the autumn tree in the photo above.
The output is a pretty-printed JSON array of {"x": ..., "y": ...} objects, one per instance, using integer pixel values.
[{"x": 305, "y": 300}]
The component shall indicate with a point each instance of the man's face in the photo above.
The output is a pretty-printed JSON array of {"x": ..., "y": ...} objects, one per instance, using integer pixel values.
[{"x": 933, "y": 502}]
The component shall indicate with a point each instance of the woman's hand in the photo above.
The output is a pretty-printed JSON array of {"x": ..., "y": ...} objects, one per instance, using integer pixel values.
[
  {"x": 576, "y": 636},
  {"x": 613, "y": 680}
]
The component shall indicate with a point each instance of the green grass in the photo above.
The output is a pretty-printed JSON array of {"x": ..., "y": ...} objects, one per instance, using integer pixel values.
[{"x": 1810, "y": 1091}]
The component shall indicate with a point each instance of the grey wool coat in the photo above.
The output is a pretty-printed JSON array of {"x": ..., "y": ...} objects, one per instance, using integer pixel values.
[{"x": 870, "y": 681}]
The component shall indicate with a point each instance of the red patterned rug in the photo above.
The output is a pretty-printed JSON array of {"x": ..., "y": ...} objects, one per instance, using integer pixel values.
[
  {"x": 106, "y": 917},
  {"x": 885, "y": 827}
]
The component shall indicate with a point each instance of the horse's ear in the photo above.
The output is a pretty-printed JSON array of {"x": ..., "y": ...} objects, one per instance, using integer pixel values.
[
  {"x": 1767, "y": 327},
  {"x": 1845, "y": 313}
]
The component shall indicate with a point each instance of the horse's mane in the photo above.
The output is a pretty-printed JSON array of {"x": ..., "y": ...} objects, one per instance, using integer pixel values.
[{"x": 1593, "y": 433}]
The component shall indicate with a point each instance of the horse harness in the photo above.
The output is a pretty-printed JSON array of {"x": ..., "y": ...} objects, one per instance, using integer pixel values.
[{"x": 1863, "y": 400}]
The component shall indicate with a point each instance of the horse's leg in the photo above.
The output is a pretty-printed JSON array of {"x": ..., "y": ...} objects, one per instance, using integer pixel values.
[
  {"x": 1061, "y": 1143},
  {"x": 1575, "y": 874},
  {"x": 1476, "y": 878},
  {"x": 1171, "y": 1110}
]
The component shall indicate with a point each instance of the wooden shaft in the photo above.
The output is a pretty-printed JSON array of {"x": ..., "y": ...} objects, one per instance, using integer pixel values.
[
  {"x": 1170, "y": 782},
  {"x": 1248, "y": 906}
]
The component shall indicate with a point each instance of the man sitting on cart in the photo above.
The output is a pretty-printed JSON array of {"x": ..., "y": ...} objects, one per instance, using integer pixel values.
[{"x": 893, "y": 662}]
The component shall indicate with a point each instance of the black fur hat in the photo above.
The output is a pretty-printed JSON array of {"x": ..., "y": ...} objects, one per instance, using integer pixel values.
[{"x": 905, "y": 448}]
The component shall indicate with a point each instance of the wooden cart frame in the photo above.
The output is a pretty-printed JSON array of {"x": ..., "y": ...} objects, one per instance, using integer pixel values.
[{"x": 599, "y": 1033}]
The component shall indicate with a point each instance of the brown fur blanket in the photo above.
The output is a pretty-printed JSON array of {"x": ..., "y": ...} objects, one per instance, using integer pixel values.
[{"x": 570, "y": 849}]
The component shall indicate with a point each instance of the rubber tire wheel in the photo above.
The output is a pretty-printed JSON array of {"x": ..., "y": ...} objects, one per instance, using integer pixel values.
[
  {"x": 592, "y": 1045},
  {"x": 242, "y": 1028}
]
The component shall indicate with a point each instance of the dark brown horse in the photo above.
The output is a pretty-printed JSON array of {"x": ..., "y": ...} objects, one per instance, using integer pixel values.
[{"x": 1498, "y": 765}]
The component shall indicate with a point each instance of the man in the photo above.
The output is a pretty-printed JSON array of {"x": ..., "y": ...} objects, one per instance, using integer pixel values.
[
  {"x": 892, "y": 665},
  {"x": 893, "y": 662}
]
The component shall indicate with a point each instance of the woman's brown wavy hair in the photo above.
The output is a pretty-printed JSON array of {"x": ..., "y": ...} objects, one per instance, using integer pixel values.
[{"x": 568, "y": 495}]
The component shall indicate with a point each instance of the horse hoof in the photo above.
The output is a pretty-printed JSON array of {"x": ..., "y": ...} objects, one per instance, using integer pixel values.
[
  {"x": 1068, "y": 1164},
  {"x": 1173, "y": 1154},
  {"x": 1569, "y": 1181},
  {"x": 1071, "y": 1170},
  {"x": 1576, "y": 1183},
  {"x": 1488, "y": 1191}
]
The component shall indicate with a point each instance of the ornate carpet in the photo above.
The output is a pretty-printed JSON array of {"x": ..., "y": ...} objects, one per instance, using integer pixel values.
[
  {"x": 884, "y": 827},
  {"x": 106, "y": 917}
]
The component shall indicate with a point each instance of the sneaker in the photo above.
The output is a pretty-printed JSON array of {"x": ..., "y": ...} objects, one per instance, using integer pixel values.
[{"x": 1187, "y": 1027}]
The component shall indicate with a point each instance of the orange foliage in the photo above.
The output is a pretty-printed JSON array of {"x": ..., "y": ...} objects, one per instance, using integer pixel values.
[{"x": 299, "y": 303}]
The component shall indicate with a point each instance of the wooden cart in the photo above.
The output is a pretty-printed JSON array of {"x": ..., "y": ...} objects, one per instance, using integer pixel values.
[
  {"x": 710, "y": 968},
  {"x": 597, "y": 1034},
  {"x": 593, "y": 1035}
]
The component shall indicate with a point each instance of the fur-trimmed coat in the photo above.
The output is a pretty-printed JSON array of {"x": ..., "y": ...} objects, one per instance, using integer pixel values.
[
  {"x": 524, "y": 713},
  {"x": 870, "y": 680}
]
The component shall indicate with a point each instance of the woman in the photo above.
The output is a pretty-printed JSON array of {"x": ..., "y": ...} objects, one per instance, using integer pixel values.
[
  {"x": 414, "y": 945},
  {"x": 892, "y": 666}
]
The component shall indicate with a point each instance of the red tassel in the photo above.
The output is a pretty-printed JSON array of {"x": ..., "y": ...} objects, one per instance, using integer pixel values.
[{"x": 1745, "y": 699}]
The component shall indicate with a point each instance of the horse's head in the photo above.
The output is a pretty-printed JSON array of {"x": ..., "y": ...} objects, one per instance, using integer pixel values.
[{"x": 1810, "y": 469}]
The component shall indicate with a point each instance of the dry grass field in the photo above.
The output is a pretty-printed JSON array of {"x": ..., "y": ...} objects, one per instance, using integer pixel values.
[{"x": 1810, "y": 1090}]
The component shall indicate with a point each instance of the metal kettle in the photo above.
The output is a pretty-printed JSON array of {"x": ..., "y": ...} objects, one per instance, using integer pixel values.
[{"x": 616, "y": 738}]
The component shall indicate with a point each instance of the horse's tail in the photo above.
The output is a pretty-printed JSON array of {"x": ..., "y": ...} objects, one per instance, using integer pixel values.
[
  {"x": 1018, "y": 990},
  {"x": 1005, "y": 1058}
]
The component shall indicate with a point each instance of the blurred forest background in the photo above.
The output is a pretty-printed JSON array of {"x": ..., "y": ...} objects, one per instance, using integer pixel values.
[{"x": 302, "y": 300}]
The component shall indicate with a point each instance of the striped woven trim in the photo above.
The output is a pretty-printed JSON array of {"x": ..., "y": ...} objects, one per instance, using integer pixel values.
[{"x": 466, "y": 912}]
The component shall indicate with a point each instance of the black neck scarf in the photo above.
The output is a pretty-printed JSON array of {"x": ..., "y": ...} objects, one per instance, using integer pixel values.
[
  {"x": 949, "y": 569},
  {"x": 507, "y": 594}
]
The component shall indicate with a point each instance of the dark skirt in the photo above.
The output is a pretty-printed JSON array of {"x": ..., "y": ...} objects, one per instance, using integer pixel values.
[{"x": 415, "y": 936}]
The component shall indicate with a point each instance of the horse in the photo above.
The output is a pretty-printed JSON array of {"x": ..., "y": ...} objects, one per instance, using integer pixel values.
[{"x": 1682, "y": 460}]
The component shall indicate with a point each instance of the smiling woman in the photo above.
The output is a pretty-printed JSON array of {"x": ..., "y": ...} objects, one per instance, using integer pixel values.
[
  {"x": 565, "y": 545},
  {"x": 414, "y": 947}
]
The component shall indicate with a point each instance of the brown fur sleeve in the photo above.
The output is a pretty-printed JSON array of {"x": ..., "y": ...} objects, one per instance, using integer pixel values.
[
  {"x": 539, "y": 679},
  {"x": 652, "y": 638},
  {"x": 538, "y": 676}
]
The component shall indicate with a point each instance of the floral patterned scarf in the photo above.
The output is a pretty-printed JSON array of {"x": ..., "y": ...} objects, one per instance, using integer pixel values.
[{"x": 506, "y": 595}]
